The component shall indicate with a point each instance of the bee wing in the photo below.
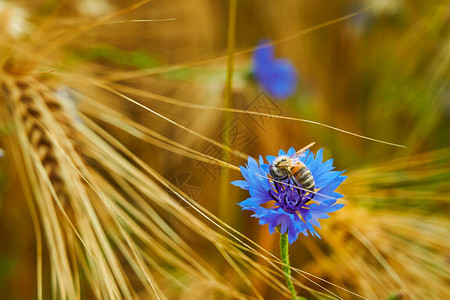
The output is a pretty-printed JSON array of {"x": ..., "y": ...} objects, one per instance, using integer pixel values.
[
  {"x": 292, "y": 160},
  {"x": 291, "y": 163},
  {"x": 300, "y": 152}
]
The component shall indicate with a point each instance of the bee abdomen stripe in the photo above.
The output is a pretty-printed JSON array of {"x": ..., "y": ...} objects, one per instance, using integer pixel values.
[
  {"x": 301, "y": 171},
  {"x": 310, "y": 186},
  {"x": 308, "y": 181}
]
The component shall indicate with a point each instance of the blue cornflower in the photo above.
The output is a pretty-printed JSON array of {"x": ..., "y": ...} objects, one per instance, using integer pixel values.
[
  {"x": 278, "y": 77},
  {"x": 292, "y": 208}
]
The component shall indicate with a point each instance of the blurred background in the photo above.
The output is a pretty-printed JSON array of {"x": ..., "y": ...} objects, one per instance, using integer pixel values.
[{"x": 376, "y": 68}]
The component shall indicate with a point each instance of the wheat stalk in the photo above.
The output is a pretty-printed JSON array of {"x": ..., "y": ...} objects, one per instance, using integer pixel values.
[{"x": 88, "y": 219}]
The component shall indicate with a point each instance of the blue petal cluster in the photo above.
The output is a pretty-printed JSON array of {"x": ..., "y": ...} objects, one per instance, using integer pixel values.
[
  {"x": 278, "y": 77},
  {"x": 292, "y": 210}
]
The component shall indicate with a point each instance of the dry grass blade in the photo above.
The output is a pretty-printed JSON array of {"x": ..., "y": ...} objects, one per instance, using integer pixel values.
[
  {"x": 116, "y": 88},
  {"x": 139, "y": 73}
]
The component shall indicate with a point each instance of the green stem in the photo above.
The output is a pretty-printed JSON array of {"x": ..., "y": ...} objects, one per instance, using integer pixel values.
[{"x": 284, "y": 250}]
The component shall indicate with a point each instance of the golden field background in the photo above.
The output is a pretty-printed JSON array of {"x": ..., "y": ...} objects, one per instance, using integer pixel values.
[{"x": 131, "y": 112}]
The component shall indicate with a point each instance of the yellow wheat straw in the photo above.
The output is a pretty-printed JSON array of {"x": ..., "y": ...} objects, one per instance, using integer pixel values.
[
  {"x": 166, "y": 99},
  {"x": 159, "y": 70}
]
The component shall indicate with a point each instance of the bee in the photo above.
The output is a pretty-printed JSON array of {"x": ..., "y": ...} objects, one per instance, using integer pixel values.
[{"x": 284, "y": 167}]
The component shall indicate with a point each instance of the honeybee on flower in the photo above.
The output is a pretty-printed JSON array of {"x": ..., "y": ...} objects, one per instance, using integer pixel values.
[
  {"x": 285, "y": 167},
  {"x": 294, "y": 209}
]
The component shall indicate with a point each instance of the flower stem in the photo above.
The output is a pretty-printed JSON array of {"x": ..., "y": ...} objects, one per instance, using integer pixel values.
[{"x": 284, "y": 250}]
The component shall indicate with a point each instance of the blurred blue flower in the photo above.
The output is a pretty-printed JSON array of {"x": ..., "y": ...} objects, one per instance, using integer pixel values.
[
  {"x": 278, "y": 77},
  {"x": 291, "y": 210}
]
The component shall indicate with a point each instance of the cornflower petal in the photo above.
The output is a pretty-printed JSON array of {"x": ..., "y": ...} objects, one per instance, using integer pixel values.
[{"x": 243, "y": 184}]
